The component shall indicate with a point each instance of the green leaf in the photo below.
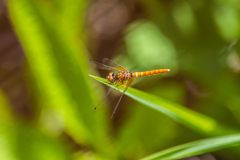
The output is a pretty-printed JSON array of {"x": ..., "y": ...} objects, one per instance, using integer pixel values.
[
  {"x": 31, "y": 143},
  {"x": 6, "y": 131},
  {"x": 40, "y": 53},
  {"x": 185, "y": 116},
  {"x": 24, "y": 141},
  {"x": 197, "y": 148},
  {"x": 58, "y": 62}
]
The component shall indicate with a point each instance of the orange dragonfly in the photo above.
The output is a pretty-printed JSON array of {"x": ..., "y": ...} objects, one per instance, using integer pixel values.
[{"x": 124, "y": 77}]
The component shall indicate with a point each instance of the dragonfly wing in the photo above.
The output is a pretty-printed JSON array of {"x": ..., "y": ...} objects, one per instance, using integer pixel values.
[
  {"x": 112, "y": 63},
  {"x": 102, "y": 66}
]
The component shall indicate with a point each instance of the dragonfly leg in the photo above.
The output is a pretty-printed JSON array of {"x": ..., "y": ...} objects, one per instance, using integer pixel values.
[{"x": 127, "y": 84}]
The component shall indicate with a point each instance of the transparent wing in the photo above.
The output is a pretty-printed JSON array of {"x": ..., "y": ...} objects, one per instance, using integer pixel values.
[
  {"x": 112, "y": 63},
  {"x": 103, "y": 66}
]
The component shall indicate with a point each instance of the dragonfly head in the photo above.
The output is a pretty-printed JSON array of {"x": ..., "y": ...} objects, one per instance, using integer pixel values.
[{"x": 111, "y": 77}]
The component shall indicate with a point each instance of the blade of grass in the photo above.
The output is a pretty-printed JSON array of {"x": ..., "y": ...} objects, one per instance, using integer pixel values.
[
  {"x": 196, "y": 148},
  {"x": 6, "y": 131},
  {"x": 32, "y": 143},
  {"x": 58, "y": 63},
  {"x": 33, "y": 35},
  {"x": 196, "y": 121},
  {"x": 23, "y": 141}
]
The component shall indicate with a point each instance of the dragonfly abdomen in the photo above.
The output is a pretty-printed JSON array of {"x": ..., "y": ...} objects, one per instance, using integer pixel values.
[{"x": 149, "y": 73}]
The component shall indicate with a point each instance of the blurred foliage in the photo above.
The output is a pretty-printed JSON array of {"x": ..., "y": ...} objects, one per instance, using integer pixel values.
[
  {"x": 199, "y": 98},
  {"x": 196, "y": 148}
]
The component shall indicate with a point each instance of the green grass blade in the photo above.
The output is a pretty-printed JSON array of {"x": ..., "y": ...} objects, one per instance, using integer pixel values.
[
  {"x": 40, "y": 53},
  {"x": 21, "y": 141},
  {"x": 197, "y": 148},
  {"x": 6, "y": 131},
  {"x": 187, "y": 117},
  {"x": 32, "y": 143},
  {"x": 58, "y": 63}
]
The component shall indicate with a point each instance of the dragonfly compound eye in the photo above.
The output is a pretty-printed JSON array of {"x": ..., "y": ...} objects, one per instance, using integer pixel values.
[{"x": 110, "y": 77}]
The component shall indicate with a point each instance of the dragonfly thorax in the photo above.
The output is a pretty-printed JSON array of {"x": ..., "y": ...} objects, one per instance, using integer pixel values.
[{"x": 125, "y": 75}]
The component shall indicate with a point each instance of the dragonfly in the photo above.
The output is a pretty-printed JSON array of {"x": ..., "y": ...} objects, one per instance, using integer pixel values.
[{"x": 123, "y": 77}]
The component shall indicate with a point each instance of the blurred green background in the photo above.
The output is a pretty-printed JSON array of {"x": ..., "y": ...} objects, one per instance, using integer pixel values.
[{"x": 47, "y": 98}]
